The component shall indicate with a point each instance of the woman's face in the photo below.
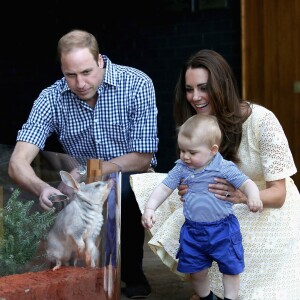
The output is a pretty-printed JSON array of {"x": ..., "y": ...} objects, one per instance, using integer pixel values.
[{"x": 195, "y": 90}]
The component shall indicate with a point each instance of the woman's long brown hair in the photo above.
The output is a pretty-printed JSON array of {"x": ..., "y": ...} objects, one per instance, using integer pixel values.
[{"x": 224, "y": 96}]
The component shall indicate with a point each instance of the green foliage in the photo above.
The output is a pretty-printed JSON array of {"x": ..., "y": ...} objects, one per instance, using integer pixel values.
[{"x": 21, "y": 234}]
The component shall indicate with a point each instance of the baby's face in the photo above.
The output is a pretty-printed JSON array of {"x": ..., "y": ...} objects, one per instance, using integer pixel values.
[{"x": 193, "y": 154}]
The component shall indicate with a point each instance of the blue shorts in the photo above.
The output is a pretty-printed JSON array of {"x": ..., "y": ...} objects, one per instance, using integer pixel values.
[{"x": 201, "y": 243}]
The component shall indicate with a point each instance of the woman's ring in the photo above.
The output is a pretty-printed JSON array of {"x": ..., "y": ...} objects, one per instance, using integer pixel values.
[{"x": 227, "y": 195}]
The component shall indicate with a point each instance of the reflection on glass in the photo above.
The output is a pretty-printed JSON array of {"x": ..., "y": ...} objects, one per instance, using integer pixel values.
[{"x": 84, "y": 227}]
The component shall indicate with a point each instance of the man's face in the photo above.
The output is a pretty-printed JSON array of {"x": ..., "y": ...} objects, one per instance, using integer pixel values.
[{"x": 83, "y": 74}]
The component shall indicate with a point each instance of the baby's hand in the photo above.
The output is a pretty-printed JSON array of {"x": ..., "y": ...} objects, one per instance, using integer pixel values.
[
  {"x": 255, "y": 205},
  {"x": 148, "y": 218}
]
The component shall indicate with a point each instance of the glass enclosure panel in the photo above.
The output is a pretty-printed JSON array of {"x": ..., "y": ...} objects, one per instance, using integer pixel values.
[{"x": 82, "y": 230}]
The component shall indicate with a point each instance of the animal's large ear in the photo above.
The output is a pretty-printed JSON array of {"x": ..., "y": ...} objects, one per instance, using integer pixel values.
[{"x": 69, "y": 180}]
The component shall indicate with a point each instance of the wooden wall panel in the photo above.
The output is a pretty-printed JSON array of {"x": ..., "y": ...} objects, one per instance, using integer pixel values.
[{"x": 270, "y": 58}]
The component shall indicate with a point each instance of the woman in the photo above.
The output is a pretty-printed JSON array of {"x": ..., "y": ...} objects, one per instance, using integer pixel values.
[{"x": 255, "y": 140}]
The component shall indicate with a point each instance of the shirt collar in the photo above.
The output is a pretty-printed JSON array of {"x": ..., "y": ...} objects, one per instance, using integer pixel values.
[
  {"x": 110, "y": 76},
  {"x": 213, "y": 165}
]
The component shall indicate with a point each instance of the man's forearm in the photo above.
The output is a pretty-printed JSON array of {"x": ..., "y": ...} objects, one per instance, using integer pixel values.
[
  {"x": 133, "y": 162},
  {"x": 26, "y": 178}
]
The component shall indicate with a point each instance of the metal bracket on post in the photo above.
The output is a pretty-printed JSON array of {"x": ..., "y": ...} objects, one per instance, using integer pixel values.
[{"x": 94, "y": 170}]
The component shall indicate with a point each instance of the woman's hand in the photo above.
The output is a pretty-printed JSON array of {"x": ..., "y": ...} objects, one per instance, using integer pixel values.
[
  {"x": 222, "y": 190},
  {"x": 182, "y": 189},
  {"x": 225, "y": 191}
]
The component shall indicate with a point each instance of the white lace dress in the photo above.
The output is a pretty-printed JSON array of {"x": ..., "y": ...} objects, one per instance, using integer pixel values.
[{"x": 271, "y": 238}]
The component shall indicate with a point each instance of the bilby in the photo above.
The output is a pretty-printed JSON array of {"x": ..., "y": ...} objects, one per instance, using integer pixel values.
[{"x": 76, "y": 231}]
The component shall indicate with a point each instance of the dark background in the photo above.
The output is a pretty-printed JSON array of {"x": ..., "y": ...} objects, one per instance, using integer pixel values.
[{"x": 151, "y": 35}]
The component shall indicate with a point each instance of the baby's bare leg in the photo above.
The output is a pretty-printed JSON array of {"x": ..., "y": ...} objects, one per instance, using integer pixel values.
[
  {"x": 231, "y": 286},
  {"x": 200, "y": 281}
]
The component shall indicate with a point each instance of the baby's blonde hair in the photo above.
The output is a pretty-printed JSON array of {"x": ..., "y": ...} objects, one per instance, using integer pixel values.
[{"x": 204, "y": 128}]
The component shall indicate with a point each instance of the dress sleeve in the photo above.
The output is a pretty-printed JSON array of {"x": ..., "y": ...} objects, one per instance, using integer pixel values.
[{"x": 276, "y": 157}]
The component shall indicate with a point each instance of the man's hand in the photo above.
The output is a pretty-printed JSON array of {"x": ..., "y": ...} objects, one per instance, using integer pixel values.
[{"x": 44, "y": 197}]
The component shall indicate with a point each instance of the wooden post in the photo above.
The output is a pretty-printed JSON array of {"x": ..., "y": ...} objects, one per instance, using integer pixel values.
[
  {"x": 2, "y": 213},
  {"x": 94, "y": 170}
]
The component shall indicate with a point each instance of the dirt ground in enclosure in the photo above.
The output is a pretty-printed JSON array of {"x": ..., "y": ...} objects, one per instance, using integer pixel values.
[{"x": 67, "y": 283}]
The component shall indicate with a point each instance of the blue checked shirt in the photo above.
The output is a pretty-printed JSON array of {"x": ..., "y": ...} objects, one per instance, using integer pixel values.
[{"x": 124, "y": 119}]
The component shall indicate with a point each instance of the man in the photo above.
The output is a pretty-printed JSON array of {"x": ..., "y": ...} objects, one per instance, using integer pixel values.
[{"x": 98, "y": 110}]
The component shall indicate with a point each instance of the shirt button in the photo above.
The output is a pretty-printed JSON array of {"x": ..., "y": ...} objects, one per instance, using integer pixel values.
[{"x": 192, "y": 176}]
